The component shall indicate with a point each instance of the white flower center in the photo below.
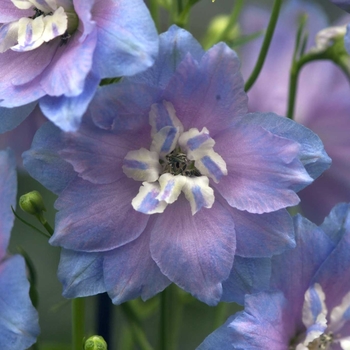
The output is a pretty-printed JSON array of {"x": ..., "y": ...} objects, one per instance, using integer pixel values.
[
  {"x": 178, "y": 161},
  {"x": 48, "y": 22},
  {"x": 318, "y": 334}
]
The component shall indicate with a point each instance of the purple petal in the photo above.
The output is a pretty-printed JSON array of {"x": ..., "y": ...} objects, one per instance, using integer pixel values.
[
  {"x": 311, "y": 154},
  {"x": 66, "y": 74},
  {"x": 19, "y": 326},
  {"x": 263, "y": 169},
  {"x": 43, "y": 162},
  {"x": 210, "y": 93},
  {"x": 130, "y": 272},
  {"x": 263, "y": 325},
  {"x": 127, "y": 38},
  {"x": 344, "y": 4},
  {"x": 292, "y": 271},
  {"x": 124, "y": 106},
  {"x": 173, "y": 48},
  {"x": 9, "y": 12},
  {"x": 263, "y": 235},
  {"x": 81, "y": 274},
  {"x": 8, "y": 190},
  {"x": 95, "y": 218},
  {"x": 97, "y": 155},
  {"x": 195, "y": 252},
  {"x": 347, "y": 37},
  {"x": 12, "y": 117},
  {"x": 247, "y": 276},
  {"x": 66, "y": 112}
]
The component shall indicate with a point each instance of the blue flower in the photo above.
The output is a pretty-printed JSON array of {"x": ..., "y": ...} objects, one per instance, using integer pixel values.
[
  {"x": 19, "y": 326},
  {"x": 168, "y": 179},
  {"x": 308, "y": 306},
  {"x": 57, "y": 51}
]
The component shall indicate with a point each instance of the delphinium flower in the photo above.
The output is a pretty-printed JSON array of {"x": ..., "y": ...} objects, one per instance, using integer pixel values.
[
  {"x": 19, "y": 320},
  {"x": 169, "y": 179},
  {"x": 322, "y": 102},
  {"x": 57, "y": 51},
  {"x": 309, "y": 301}
]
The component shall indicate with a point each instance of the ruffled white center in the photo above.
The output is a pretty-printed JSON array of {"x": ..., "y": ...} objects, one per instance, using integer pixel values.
[
  {"x": 48, "y": 22},
  {"x": 319, "y": 335},
  {"x": 177, "y": 161}
]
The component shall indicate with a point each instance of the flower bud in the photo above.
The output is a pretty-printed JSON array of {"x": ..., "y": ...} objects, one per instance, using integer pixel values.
[
  {"x": 95, "y": 342},
  {"x": 329, "y": 38},
  {"x": 32, "y": 203}
]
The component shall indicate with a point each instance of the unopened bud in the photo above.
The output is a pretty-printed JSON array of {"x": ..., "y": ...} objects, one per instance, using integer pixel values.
[
  {"x": 32, "y": 203},
  {"x": 95, "y": 342},
  {"x": 328, "y": 38}
]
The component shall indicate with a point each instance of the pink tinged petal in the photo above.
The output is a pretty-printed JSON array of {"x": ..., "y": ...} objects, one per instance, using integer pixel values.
[
  {"x": 195, "y": 252},
  {"x": 147, "y": 201},
  {"x": 81, "y": 274},
  {"x": 170, "y": 187},
  {"x": 165, "y": 141},
  {"x": 263, "y": 169},
  {"x": 262, "y": 235},
  {"x": 162, "y": 115},
  {"x": 8, "y": 190},
  {"x": 340, "y": 314},
  {"x": 96, "y": 155},
  {"x": 209, "y": 94},
  {"x": 55, "y": 25},
  {"x": 314, "y": 313},
  {"x": 30, "y": 33},
  {"x": 8, "y": 36},
  {"x": 130, "y": 272},
  {"x": 95, "y": 218},
  {"x": 198, "y": 193},
  {"x": 142, "y": 165}
]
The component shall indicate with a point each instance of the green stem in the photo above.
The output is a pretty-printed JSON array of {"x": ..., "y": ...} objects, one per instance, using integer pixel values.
[
  {"x": 154, "y": 10},
  {"x": 265, "y": 46},
  {"x": 169, "y": 316},
  {"x": 78, "y": 323},
  {"x": 135, "y": 325}
]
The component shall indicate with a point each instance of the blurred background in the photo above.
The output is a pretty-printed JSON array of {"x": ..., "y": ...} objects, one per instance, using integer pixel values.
[{"x": 198, "y": 319}]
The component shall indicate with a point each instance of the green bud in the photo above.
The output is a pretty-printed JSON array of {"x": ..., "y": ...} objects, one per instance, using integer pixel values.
[
  {"x": 32, "y": 203},
  {"x": 95, "y": 342}
]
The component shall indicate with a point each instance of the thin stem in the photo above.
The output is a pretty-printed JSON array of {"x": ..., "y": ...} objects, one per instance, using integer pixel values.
[
  {"x": 293, "y": 84},
  {"x": 154, "y": 10},
  {"x": 168, "y": 318},
  {"x": 30, "y": 225},
  {"x": 265, "y": 46},
  {"x": 135, "y": 325},
  {"x": 78, "y": 323}
]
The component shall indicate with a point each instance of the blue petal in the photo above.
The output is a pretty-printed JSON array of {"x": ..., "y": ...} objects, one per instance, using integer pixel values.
[
  {"x": 127, "y": 38},
  {"x": 347, "y": 37},
  {"x": 8, "y": 190},
  {"x": 19, "y": 326},
  {"x": 81, "y": 274},
  {"x": 174, "y": 45},
  {"x": 43, "y": 162},
  {"x": 66, "y": 112},
  {"x": 263, "y": 325},
  {"x": 12, "y": 117},
  {"x": 130, "y": 272},
  {"x": 247, "y": 276},
  {"x": 311, "y": 154}
]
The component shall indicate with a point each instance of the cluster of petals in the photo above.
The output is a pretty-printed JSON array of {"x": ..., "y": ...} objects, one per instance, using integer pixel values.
[
  {"x": 57, "y": 51},
  {"x": 19, "y": 326},
  {"x": 170, "y": 180},
  {"x": 322, "y": 102},
  {"x": 308, "y": 305}
]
